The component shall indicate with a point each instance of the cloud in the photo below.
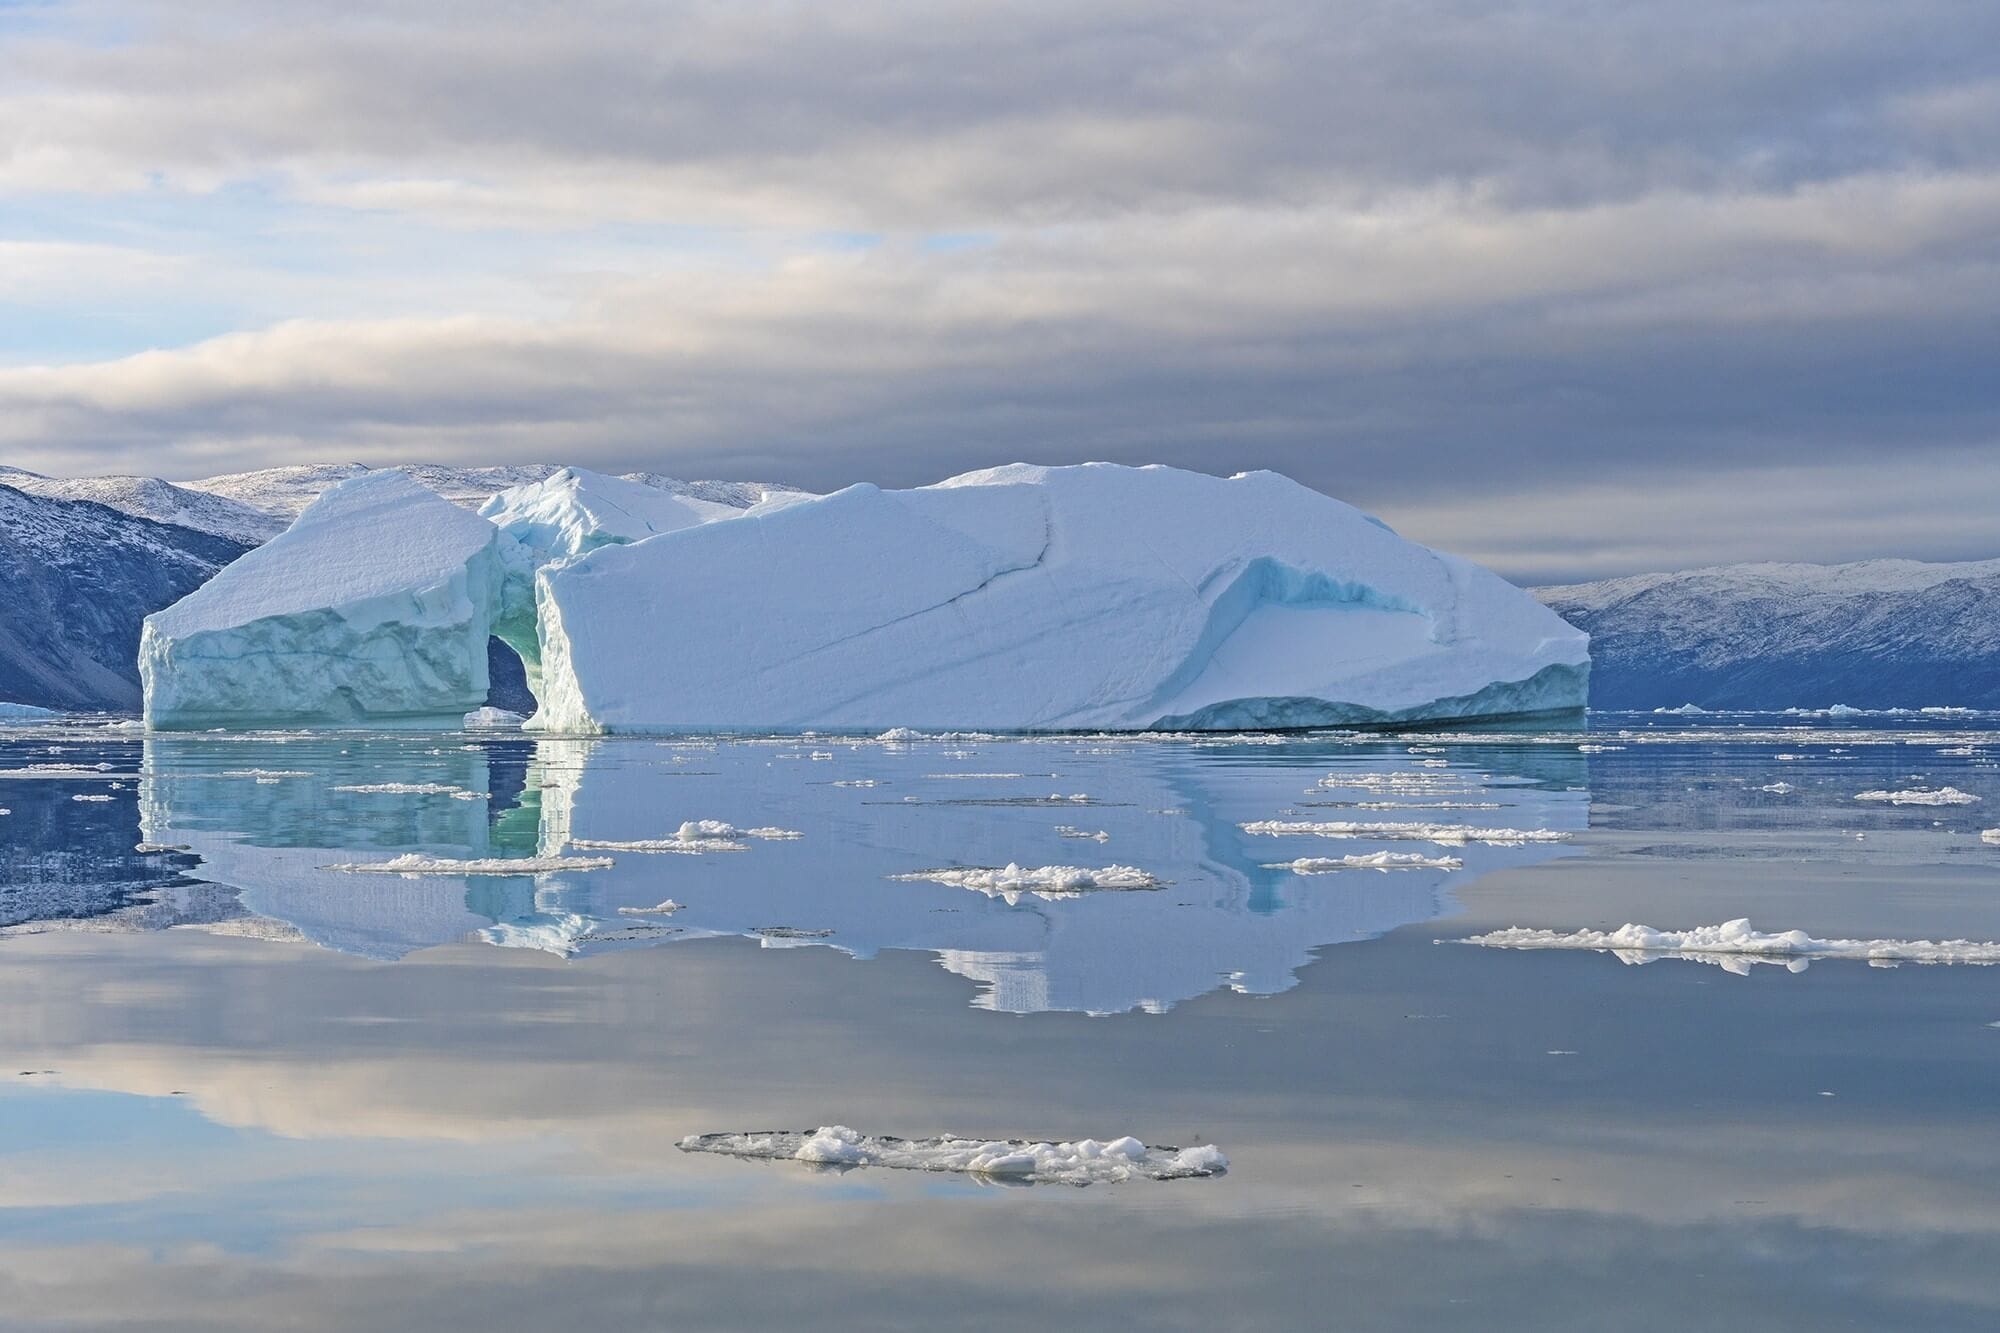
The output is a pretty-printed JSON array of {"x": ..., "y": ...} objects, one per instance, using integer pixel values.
[{"x": 1376, "y": 249}]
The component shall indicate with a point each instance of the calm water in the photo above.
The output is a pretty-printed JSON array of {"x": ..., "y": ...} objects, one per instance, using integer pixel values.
[{"x": 244, "y": 1090}]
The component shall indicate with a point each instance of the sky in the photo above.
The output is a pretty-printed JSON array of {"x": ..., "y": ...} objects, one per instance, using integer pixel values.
[{"x": 1576, "y": 289}]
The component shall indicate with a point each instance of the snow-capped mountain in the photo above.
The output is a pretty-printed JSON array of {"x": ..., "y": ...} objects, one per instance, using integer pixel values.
[
  {"x": 161, "y": 501},
  {"x": 286, "y": 491},
  {"x": 1878, "y": 633},
  {"x": 76, "y": 580}
]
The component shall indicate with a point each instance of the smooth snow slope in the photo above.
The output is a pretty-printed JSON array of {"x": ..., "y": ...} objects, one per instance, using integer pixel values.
[
  {"x": 1044, "y": 599},
  {"x": 375, "y": 606},
  {"x": 1878, "y": 633},
  {"x": 76, "y": 580}
]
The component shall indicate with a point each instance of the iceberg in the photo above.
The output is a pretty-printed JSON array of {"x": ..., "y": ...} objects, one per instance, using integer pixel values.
[
  {"x": 1043, "y": 599},
  {"x": 374, "y": 607}
]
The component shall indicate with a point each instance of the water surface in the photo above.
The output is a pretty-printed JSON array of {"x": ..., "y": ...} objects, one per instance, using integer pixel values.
[{"x": 244, "y": 1090}]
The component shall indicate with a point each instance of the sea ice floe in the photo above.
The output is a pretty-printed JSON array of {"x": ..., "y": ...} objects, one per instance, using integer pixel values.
[
  {"x": 1323, "y": 865},
  {"x": 70, "y": 772},
  {"x": 415, "y": 789},
  {"x": 1070, "y": 831},
  {"x": 1990, "y": 835},
  {"x": 90, "y": 798},
  {"x": 667, "y": 908},
  {"x": 415, "y": 863},
  {"x": 694, "y": 835},
  {"x": 1448, "y": 834},
  {"x": 1043, "y": 881},
  {"x": 1737, "y": 940},
  {"x": 489, "y": 718},
  {"x": 1083, "y": 1162},
  {"x": 1778, "y": 788},
  {"x": 1920, "y": 796}
]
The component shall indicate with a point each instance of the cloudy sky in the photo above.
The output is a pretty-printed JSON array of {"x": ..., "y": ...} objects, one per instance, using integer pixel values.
[{"x": 1574, "y": 288}]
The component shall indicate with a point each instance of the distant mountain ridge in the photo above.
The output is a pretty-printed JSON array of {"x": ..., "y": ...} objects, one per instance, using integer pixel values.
[
  {"x": 76, "y": 579},
  {"x": 1874, "y": 633}
]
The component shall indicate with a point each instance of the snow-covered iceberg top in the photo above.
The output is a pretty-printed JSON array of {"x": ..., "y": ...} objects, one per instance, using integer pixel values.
[
  {"x": 1083, "y": 1162},
  {"x": 1030, "y": 598},
  {"x": 374, "y": 607}
]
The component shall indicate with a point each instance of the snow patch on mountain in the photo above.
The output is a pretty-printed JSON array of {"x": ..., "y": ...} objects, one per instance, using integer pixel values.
[{"x": 1880, "y": 633}]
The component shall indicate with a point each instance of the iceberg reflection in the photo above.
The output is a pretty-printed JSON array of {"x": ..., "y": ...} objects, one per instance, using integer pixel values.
[{"x": 876, "y": 821}]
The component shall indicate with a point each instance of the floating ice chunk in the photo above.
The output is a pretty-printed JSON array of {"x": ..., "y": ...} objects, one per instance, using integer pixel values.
[
  {"x": 1322, "y": 865},
  {"x": 91, "y": 798},
  {"x": 1778, "y": 788},
  {"x": 264, "y": 774},
  {"x": 12, "y": 712},
  {"x": 1031, "y": 598},
  {"x": 1990, "y": 835},
  {"x": 374, "y": 607},
  {"x": 415, "y": 863},
  {"x": 413, "y": 789},
  {"x": 901, "y": 734},
  {"x": 1685, "y": 710},
  {"x": 1920, "y": 796},
  {"x": 683, "y": 846},
  {"x": 492, "y": 719},
  {"x": 1597, "y": 749},
  {"x": 1449, "y": 834},
  {"x": 1083, "y": 1162},
  {"x": 1068, "y": 831},
  {"x": 1736, "y": 938},
  {"x": 667, "y": 908},
  {"x": 1042, "y": 881}
]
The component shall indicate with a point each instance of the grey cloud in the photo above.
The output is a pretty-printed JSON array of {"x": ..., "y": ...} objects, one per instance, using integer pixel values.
[{"x": 1438, "y": 260}]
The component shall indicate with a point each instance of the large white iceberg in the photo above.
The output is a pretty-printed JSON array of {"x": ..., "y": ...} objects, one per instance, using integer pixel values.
[
  {"x": 1038, "y": 598},
  {"x": 374, "y": 607}
]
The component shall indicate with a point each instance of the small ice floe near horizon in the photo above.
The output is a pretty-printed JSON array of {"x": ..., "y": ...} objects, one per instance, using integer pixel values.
[
  {"x": 12, "y": 712},
  {"x": 1447, "y": 834},
  {"x": 694, "y": 835},
  {"x": 490, "y": 718},
  {"x": 415, "y": 789},
  {"x": 1685, "y": 710},
  {"x": 667, "y": 908},
  {"x": 1326, "y": 865},
  {"x": 855, "y": 782},
  {"x": 1403, "y": 805},
  {"x": 1778, "y": 788},
  {"x": 1083, "y": 1162},
  {"x": 1596, "y": 749},
  {"x": 1990, "y": 835},
  {"x": 789, "y": 933},
  {"x": 81, "y": 797},
  {"x": 1091, "y": 835},
  {"x": 415, "y": 863},
  {"x": 1393, "y": 782},
  {"x": 1919, "y": 796},
  {"x": 1736, "y": 944},
  {"x": 1011, "y": 880},
  {"x": 263, "y": 774},
  {"x": 73, "y": 772}
]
